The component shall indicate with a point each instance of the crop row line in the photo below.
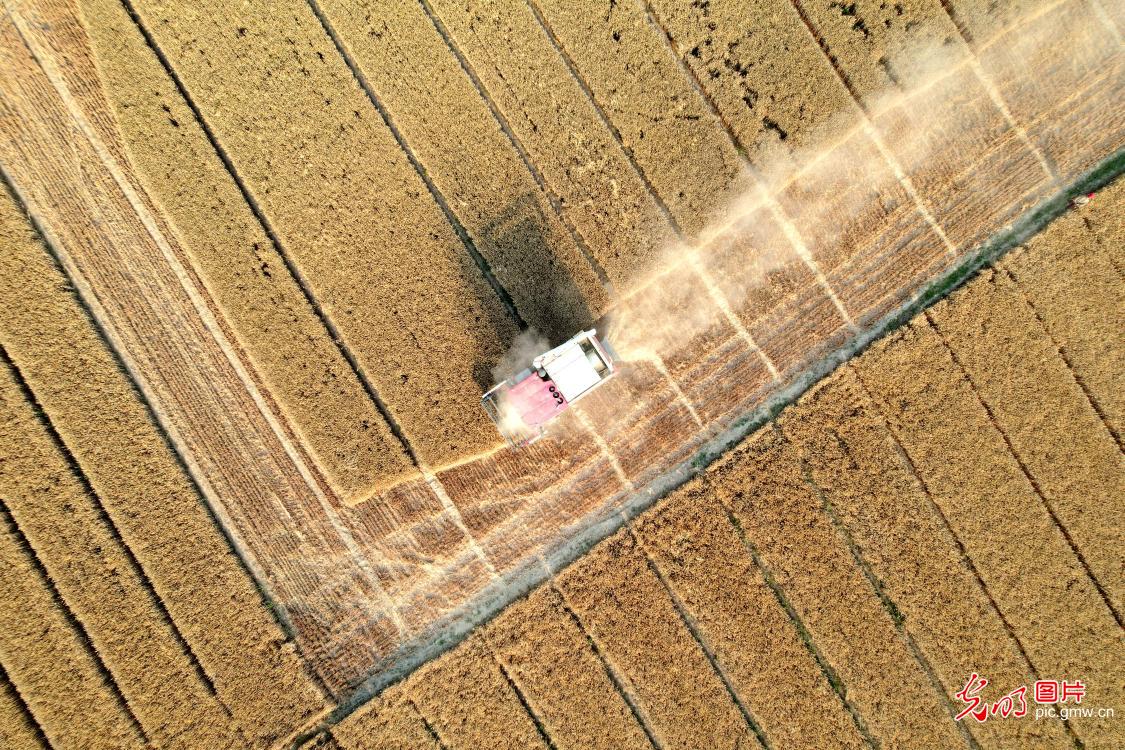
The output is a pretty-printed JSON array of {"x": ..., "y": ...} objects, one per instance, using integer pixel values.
[
  {"x": 13, "y": 529},
  {"x": 1026, "y": 472}
]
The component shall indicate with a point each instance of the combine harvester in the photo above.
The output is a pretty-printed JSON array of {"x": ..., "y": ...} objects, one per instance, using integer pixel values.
[{"x": 522, "y": 406}]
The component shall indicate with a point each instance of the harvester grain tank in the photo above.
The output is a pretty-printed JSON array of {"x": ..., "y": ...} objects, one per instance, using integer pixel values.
[{"x": 522, "y": 406}]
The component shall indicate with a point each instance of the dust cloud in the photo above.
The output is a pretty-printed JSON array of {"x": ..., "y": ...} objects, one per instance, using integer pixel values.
[{"x": 938, "y": 108}]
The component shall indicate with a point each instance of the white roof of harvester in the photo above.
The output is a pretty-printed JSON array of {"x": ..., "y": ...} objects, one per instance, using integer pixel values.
[{"x": 570, "y": 370}]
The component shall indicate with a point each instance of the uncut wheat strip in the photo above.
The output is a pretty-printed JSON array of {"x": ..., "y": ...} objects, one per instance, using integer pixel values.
[
  {"x": 154, "y": 504},
  {"x": 168, "y": 340},
  {"x": 697, "y": 548},
  {"x": 61, "y": 681},
  {"x": 623, "y": 606},
  {"x": 763, "y": 73},
  {"x": 521, "y": 72},
  {"x": 370, "y": 239},
  {"x": 548, "y": 656},
  {"x": 102, "y": 584},
  {"x": 18, "y": 728},
  {"x": 469, "y": 155},
  {"x": 761, "y": 484},
  {"x": 1024, "y": 561},
  {"x": 389, "y": 722},
  {"x": 469, "y": 700},
  {"x": 1071, "y": 277},
  {"x": 666, "y": 128},
  {"x": 237, "y": 257},
  {"x": 1065, "y": 449},
  {"x": 853, "y": 461}
]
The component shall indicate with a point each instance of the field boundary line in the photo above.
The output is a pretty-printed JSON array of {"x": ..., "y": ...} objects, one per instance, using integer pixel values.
[
  {"x": 1079, "y": 381},
  {"x": 106, "y": 519},
  {"x": 524, "y": 702},
  {"x": 267, "y": 227},
  {"x": 450, "y": 216},
  {"x": 692, "y": 627},
  {"x": 1025, "y": 471},
  {"x": 13, "y": 529},
  {"x": 502, "y": 120},
  {"x": 831, "y": 676},
  {"x": 25, "y": 709},
  {"x": 966, "y": 559},
  {"x": 248, "y": 563},
  {"x": 615, "y": 679},
  {"x": 885, "y": 600},
  {"x": 215, "y": 332}
]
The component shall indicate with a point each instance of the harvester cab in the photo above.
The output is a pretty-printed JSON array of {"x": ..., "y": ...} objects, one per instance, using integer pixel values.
[{"x": 523, "y": 405}]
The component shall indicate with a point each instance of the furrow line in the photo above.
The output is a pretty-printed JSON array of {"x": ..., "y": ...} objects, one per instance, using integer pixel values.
[
  {"x": 581, "y": 81},
  {"x": 771, "y": 203},
  {"x": 271, "y": 233},
  {"x": 1027, "y": 474},
  {"x": 880, "y": 592},
  {"x": 13, "y": 529},
  {"x": 1078, "y": 379},
  {"x": 92, "y": 312},
  {"x": 966, "y": 560},
  {"x": 426, "y": 723},
  {"x": 543, "y": 733},
  {"x": 439, "y": 198},
  {"x": 611, "y": 673},
  {"x": 996, "y": 97},
  {"x": 115, "y": 533},
  {"x": 830, "y": 674},
  {"x": 7, "y": 687},
  {"x": 517, "y": 144},
  {"x": 692, "y": 628}
]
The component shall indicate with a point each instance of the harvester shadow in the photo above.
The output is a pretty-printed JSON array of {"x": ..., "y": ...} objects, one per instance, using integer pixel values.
[{"x": 550, "y": 300}]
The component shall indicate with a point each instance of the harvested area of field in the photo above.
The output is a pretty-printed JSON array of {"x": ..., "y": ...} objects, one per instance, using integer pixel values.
[
  {"x": 259, "y": 263},
  {"x": 828, "y": 582}
]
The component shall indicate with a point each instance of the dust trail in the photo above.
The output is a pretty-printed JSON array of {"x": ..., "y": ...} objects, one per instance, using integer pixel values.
[{"x": 901, "y": 153}]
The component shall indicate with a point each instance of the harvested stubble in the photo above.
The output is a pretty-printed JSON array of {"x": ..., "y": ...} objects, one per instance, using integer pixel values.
[
  {"x": 556, "y": 668},
  {"x": 1053, "y": 430},
  {"x": 760, "y": 67},
  {"x": 98, "y": 581},
  {"x": 694, "y": 544},
  {"x": 356, "y": 217},
  {"x": 628, "y": 614},
  {"x": 470, "y": 704},
  {"x": 50, "y": 663},
  {"x": 761, "y": 484},
  {"x": 664, "y": 124},
  {"x": 853, "y": 460},
  {"x": 1023, "y": 558},
  {"x": 96, "y": 410},
  {"x": 1073, "y": 112},
  {"x": 238, "y": 263},
  {"x": 547, "y": 110},
  {"x": 17, "y": 727},
  {"x": 1072, "y": 277},
  {"x": 447, "y": 123},
  {"x": 389, "y": 722}
]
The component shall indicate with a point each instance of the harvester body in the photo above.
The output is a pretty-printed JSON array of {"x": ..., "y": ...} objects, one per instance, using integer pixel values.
[{"x": 523, "y": 405}]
